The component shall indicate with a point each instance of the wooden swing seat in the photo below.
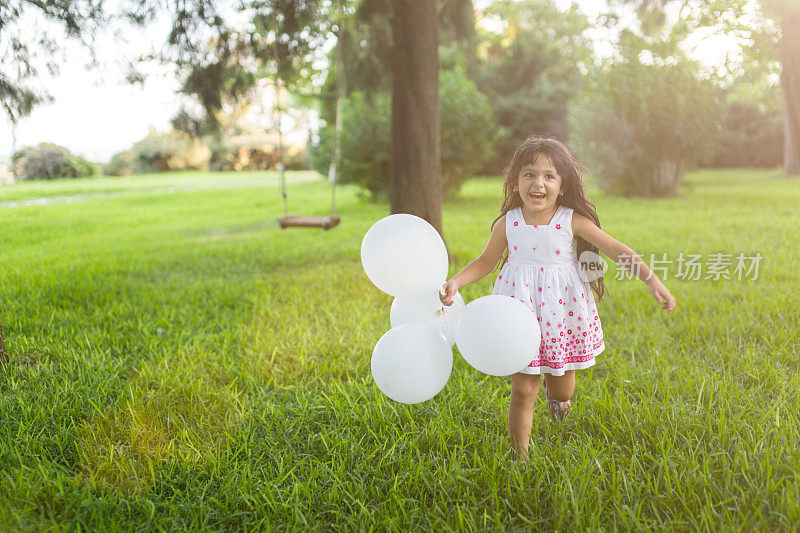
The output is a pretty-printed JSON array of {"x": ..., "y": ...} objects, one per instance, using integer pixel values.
[{"x": 295, "y": 221}]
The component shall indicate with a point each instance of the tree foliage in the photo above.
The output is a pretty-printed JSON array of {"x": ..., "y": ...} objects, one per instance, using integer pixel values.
[
  {"x": 531, "y": 69},
  {"x": 26, "y": 50},
  {"x": 640, "y": 126},
  {"x": 752, "y": 126},
  {"x": 467, "y": 136},
  {"x": 366, "y": 42},
  {"x": 279, "y": 43},
  {"x": 468, "y": 131},
  {"x": 770, "y": 40}
]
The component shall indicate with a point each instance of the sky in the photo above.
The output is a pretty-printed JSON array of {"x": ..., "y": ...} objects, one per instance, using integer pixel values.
[{"x": 96, "y": 113}]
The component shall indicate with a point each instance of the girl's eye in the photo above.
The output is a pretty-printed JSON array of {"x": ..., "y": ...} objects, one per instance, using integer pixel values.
[{"x": 550, "y": 176}]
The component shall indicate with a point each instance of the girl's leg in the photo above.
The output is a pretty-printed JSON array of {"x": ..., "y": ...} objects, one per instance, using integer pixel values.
[
  {"x": 524, "y": 388},
  {"x": 561, "y": 388},
  {"x": 558, "y": 402}
]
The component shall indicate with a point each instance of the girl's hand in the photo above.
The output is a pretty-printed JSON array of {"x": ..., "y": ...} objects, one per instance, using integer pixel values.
[
  {"x": 447, "y": 291},
  {"x": 662, "y": 294}
]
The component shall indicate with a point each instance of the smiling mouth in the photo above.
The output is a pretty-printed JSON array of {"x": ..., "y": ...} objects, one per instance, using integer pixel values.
[{"x": 538, "y": 195}]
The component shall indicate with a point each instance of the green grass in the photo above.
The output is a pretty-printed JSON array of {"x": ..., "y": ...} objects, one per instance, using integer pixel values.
[{"x": 179, "y": 362}]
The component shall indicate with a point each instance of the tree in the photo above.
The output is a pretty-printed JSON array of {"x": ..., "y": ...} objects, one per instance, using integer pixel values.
[
  {"x": 405, "y": 37},
  {"x": 774, "y": 31},
  {"x": 531, "y": 68},
  {"x": 279, "y": 43},
  {"x": 293, "y": 27},
  {"x": 648, "y": 114},
  {"x": 218, "y": 78},
  {"x": 467, "y": 136},
  {"x": 641, "y": 126},
  {"x": 23, "y": 46},
  {"x": 415, "y": 166},
  {"x": 752, "y": 125},
  {"x": 367, "y": 50},
  {"x": 26, "y": 50},
  {"x": 787, "y": 13}
]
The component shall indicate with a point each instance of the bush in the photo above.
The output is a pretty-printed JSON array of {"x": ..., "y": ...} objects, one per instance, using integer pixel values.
[
  {"x": 17, "y": 158},
  {"x": 231, "y": 154},
  {"x": 467, "y": 134},
  {"x": 161, "y": 152},
  {"x": 641, "y": 127},
  {"x": 84, "y": 167},
  {"x": 49, "y": 161},
  {"x": 120, "y": 164},
  {"x": 364, "y": 146},
  {"x": 252, "y": 153},
  {"x": 320, "y": 150},
  {"x": 468, "y": 130},
  {"x": 296, "y": 159},
  {"x": 751, "y": 137}
]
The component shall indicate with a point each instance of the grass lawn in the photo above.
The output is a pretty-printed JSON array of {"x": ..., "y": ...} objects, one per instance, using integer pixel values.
[{"x": 180, "y": 362}]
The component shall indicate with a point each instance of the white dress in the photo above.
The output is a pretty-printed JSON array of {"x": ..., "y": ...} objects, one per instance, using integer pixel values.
[{"x": 542, "y": 272}]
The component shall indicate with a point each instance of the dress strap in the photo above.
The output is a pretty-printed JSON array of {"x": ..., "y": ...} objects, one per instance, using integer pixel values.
[
  {"x": 512, "y": 217},
  {"x": 563, "y": 217}
]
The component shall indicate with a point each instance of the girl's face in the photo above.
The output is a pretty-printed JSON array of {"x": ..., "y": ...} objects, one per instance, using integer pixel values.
[{"x": 539, "y": 184}]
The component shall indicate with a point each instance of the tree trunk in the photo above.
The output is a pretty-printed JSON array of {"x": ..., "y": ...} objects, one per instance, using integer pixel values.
[
  {"x": 667, "y": 176},
  {"x": 416, "y": 183},
  {"x": 790, "y": 86}
]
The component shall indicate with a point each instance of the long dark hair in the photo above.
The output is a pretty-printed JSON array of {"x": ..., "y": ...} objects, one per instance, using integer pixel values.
[{"x": 571, "y": 172}]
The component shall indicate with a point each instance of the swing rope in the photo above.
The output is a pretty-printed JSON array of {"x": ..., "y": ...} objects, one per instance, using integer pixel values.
[{"x": 333, "y": 219}]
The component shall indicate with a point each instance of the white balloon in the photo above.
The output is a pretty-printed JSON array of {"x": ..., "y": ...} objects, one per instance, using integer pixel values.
[
  {"x": 498, "y": 335},
  {"x": 452, "y": 318},
  {"x": 411, "y": 363},
  {"x": 404, "y": 256},
  {"x": 431, "y": 311}
]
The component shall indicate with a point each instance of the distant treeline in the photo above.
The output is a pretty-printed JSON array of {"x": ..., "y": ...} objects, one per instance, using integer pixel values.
[{"x": 750, "y": 136}]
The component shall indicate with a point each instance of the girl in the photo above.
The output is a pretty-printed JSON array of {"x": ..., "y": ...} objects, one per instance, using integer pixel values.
[{"x": 547, "y": 226}]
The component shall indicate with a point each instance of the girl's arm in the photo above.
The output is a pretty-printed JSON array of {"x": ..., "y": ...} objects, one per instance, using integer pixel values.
[
  {"x": 480, "y": 266},
  {"x": 587, "y": 230}
]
